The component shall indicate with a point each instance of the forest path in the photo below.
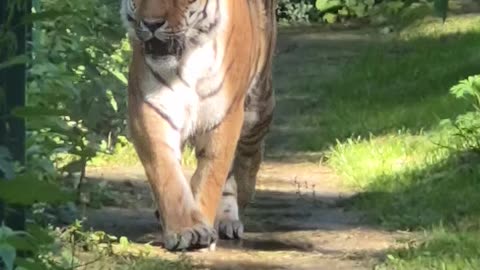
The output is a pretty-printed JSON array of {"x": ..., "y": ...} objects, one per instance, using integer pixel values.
[{"x": 296, "y": 221}]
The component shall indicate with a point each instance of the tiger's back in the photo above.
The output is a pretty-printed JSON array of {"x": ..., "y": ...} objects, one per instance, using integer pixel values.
[{"x": 201, "y": 71}]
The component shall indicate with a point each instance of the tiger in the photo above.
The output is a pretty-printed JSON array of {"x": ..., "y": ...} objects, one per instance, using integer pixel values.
[{"x": 200, "y": 73}]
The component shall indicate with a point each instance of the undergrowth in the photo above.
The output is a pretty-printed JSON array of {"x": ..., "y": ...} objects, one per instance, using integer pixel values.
[{"x": 414, "y": 158}]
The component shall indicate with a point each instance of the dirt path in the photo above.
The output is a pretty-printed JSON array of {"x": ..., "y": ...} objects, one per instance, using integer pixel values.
[{"x": 295, "y": 221}]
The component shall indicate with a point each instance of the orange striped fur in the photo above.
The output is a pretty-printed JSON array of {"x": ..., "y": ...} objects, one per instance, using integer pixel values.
[{"x": 200, "y": 72}]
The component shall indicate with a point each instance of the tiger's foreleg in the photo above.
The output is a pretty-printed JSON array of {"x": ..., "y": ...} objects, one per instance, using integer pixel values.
[
  {"x": 240, "y": 187},
  {"x": 215, "y": 152},
  {"x": 158, "y": 145}
]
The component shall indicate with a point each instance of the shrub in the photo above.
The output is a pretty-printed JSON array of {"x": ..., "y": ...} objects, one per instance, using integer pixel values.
[
  {"x": 76, "y": 91},
  {"x": 330, "y": 11}
]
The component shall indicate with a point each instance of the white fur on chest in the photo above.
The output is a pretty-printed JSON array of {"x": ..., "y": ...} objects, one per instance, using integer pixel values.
[{"x": 181, "y": 101}]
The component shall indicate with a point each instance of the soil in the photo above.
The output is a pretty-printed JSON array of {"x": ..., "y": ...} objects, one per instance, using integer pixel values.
[{"x": 296, "y": 221}]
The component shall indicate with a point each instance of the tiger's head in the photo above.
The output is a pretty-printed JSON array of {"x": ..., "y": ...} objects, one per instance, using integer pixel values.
[{"x": 169, "y": 27}]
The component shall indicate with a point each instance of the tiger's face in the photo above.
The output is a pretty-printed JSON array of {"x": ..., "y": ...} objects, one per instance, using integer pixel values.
[{"x": 169, "y": 27}]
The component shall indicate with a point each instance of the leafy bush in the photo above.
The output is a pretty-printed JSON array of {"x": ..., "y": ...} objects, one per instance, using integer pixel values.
[
  {"x": 76, "y": 91},
  {"x": 331, "y": 11},
  {"x": 75, "y": 107},
  {"x": 295, "y": 11},
  {"x": 466, "y": 127},
  {"x": 334, "y": 10}
]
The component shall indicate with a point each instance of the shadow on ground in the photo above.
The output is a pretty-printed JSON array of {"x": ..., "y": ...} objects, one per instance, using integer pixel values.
[
  {"x": 296, "y": 217},
  {"x": 293, "y": 223},
  {"x": 445, "y": 193},
  {"x": 332, "y": 86},
  {"x": 270, "y": 212}
]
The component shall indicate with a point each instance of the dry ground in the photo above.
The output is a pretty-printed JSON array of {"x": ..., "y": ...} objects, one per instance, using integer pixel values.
[{"x": 295, "y": 221}]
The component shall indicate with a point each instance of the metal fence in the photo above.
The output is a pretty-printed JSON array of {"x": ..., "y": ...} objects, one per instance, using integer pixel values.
[{"x": 12, "y": 85}]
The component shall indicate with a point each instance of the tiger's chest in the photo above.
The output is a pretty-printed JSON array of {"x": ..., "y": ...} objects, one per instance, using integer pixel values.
[{"x": 189, "y": 93}]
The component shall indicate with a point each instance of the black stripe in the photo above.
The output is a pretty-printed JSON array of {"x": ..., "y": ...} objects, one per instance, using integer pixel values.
[
  {"x": 218, "y": 88},
  {"x": 248, "y": 153},
  {"x": 204, "y": 11},
  {"x": 158, "y": 77},
  {"x": 260, "y": 125},
  {"x": 227, "y": 194},
  {"x": 200, "y": 153},
  {"x": 214, "y": 126},
  {"x": 230, "y": 173},
  {"x": 163, "y": 115},
  {"x": 254, "y": 139},
  {"x": 233, "y": 103},
  {"x": 257, "y": 133},
  {"x": 179, "y": 75},
  {"x": 268, "y": 89},
  {"x": 229, "y": 67},
  {"x": 214, "y": 24}
]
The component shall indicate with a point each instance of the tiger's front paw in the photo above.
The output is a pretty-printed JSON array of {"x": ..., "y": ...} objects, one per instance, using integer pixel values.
[
  {"x": 228, "y": 223},
  {"x": 230, "y": 229},
  {"x": 198, "y": 237}
]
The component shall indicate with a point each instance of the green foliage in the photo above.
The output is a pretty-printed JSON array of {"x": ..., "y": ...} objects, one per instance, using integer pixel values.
[
  {"x": 14, "y": 192},
  {"x": 413, "y": 170},
  {"x": 76, "y": 93},
  {"x": 346, "y": 8},
  {"x": 331, "y": 11},
  {"x": 469, "y": 89},
  {"x": 295, "y": 11},
  {"x": 7, "y": 252},
  {"x": 466, "y": 127},
  {"x": 76, "y": 108},
  {"x": 34, "y": 240}
]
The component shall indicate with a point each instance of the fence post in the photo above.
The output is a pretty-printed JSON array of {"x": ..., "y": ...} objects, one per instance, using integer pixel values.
[{"x": 13, "y": 83}]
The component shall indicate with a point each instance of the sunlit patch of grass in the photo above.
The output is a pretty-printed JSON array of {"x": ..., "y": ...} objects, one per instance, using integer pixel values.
[
  {"x": 124, "y": 155},
  {"x": 384, "y": 113},
  {"x": 433, "y": 27},
  {"x": 438, "y": 249},
  {"x": 189, "y": 159},
  {"x": 80, "y": 249},
  {"x": 334, "y": 89},
  {"x": 146, "y": 263},
  {"x": 400, "y": 85},
  {"x": 361, "y": 160},
  {"x": 434, "y": 189},
  {"x": 129, "y": 262}
]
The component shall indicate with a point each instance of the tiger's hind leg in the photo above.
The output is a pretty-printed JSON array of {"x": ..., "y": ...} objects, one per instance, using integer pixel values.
[
  {"x": 240, "y": 187},
  {"x": 215, "y": 151},
  {"x": 228, "y": 222}
]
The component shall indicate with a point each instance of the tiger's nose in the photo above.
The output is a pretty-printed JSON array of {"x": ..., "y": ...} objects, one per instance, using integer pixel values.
[{"x": 153, "y": 24}]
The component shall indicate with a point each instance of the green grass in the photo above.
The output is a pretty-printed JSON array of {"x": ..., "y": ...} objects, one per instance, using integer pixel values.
[
  {"x": 374, "y": 105},
  {"x": 441, "y": 249},
  {"x": 132, "y": 262},
  {"x": 384, "y": 85},
  {"x": 381, "y": 119},
  {"x": 124, "y": 155}
]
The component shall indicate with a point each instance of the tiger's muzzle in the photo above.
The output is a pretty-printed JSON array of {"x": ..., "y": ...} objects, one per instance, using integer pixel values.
[
  {"x": 157, "y": 42},
  {"x": 169, "y": 47}
]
